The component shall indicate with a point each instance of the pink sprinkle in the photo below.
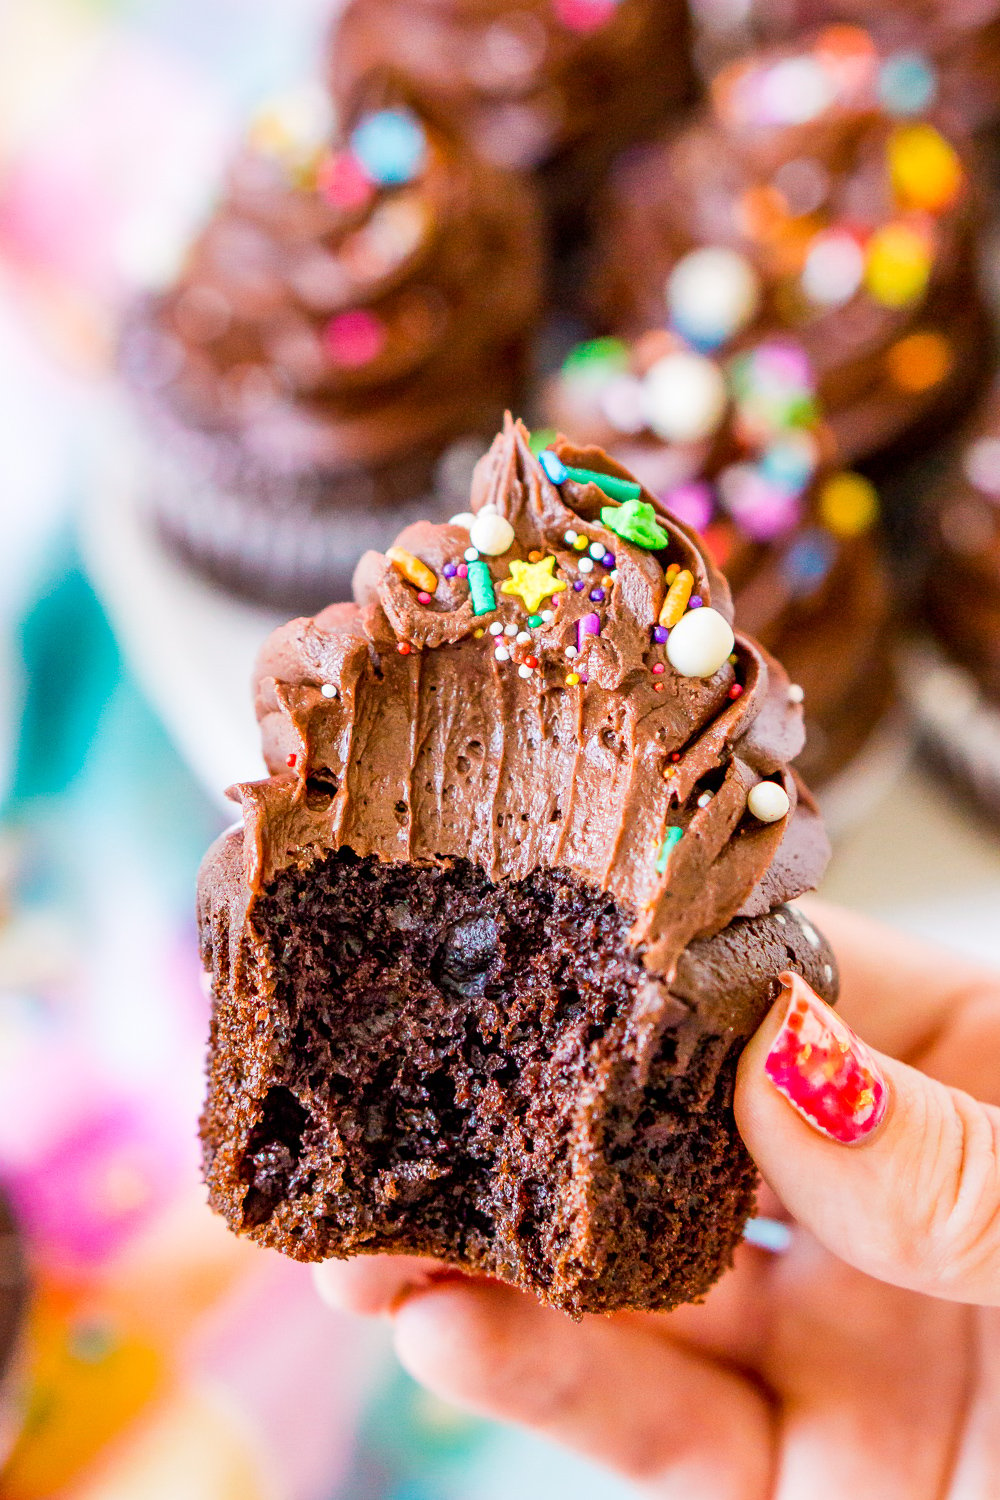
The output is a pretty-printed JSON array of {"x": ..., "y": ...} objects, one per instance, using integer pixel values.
[
  {"x": 463, "y": 571},
  {"x": 354, "y": 338},
  {"x": 341, "y": 182},
  {"x": 424, "y": 597},
  {"x": 585, "y": 15},
  {"x": 658, "y": 668},
  {"x": 589, "y": 624}
]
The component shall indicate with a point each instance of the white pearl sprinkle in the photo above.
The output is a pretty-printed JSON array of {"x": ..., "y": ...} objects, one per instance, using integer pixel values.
[
  {"x": 502, "y": 654},
  {"x": 510, "y": 630},
  {"x": 685, "y": 397},
  {"x": 524, "y": 671},
  {"x": 700, "y": 642},
  {"x": 548, "y": 615},
  {"x": 570, "y": 537},
  {"x": 464, "y": 519},
  {"x": 585, "y": 565},
  {"x": 795, "y": 693},
  {"x": 613, "y": 575},
  {"x": 704, "y": 799},
  {"x": 523, "y": 637},
  {"x": 572, "y": 651},
  {"x": 491, "y": 533},
  {"x": 328, "y": 690},
  {"x": 496, "y": 628},
  {"x": 597, "y": 550},
  {"x": 812, "y": 937},
  {"x": 471, "y": 554},
  {"x": 768, "y": 801}
]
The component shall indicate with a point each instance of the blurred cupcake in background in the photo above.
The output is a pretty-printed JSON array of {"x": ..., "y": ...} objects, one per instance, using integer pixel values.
[
  {"x": 951, "y": 676},
  {"x": 343, "y": 338},
  {"x": 13, "y": 1309},
  {"x": 854, "y": 211},
  {"x": 945, "y": 53},
  {"x": 554, "y": 86},
  {"x": 735, "y": 445}
]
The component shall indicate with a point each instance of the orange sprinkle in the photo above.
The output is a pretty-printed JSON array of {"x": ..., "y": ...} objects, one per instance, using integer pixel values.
[
  {"x": 919, "y": 361},
  {"x": 762, "y": 212},
  {"x": 535, "y": 556}
]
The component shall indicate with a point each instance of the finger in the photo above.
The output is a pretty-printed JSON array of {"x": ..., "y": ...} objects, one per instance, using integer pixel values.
[
  {"x": 607, "y": 1387},
  {"x": 920, "y": 1003},
  {"x": 373, "y": 1285},
  {"x": 917, "y": 1202}
]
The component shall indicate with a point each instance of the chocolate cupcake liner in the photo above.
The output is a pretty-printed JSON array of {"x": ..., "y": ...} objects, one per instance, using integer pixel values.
[{"x": 955, "y": 723}]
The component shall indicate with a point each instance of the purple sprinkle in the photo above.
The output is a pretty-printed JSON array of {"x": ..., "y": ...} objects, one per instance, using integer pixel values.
[
  {"x": 660, "y": 633},
  {"x": 608, "y": 560},
  {"x": 449, "y": 570},
  {"x": 579, "y": 584},
  {"x": 695, "y": 601},
  {"x": 587, "y": 625},
  {"x": 597, "y": 596},
  {"x": 463, "y": 571}
]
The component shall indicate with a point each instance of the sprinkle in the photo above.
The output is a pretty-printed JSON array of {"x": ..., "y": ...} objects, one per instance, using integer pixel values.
[
  {"x": 404, "y": 648},
  {"x": 291, "y": 759},
  {"x": 635, "y": 521},
  {"x": 926, "y": 171},
  {"x": 834, "y": 268},
  {"x": 578, "y": 585},
  {"x": 712, "y": 294},
  {"x": 613, "y": 575},
  {"x": 585, "y": 565},
  {"x": 736, "y": 691},
  {"x": 570, "y": 537},
  {"x": 660, "y": 633},
  {"x": 695, "y": 601},
  {"x": 522, "y": 637},
  {"x": 677, "y": 597},
  {"x": 496, "y": 628},
  {"x": 548, "y": 615},
  {"x": 907, "y": 84},
  {"x": 684, "y": 397},
  {"x": 412, "y": 569},
  {"x": 898, "y": 265},
  {"x": 390, "y": 145},
  {"x": 524, "y": 671},
  {"x": 531, "y": 661},
  {"x": 672, "y": 571},
  {"x": 596, "y": 596},
  {"x": 671, "y": 839},
  {"x": 580, "y": 545},
  {"x": 554, "y": 467},
  {"x": 768, "y": 801},
  {"x": 572, "y": 651},
  {"x": 691, "y": 503},
  {"x": 479, "y": 633},
  {"x": 589, "y": 624},
  {"x": 796, "y": 694},
  {"x": 342, "y": 183},
  {"x": 471, "y": 554},
  {"x": 919, "y": 361},
  {"x": 463, "y": 571},
  {"x": 658, "y": 668},
  {"x": 608, "y": 561},
  {"x": 449, "y": 570},
  {"x": 848, "y": 504},
  {"x": 533, "y": 582},
  {"x": 424, "y": 597},
  {"x": 328, "y": 690},
  {"x": 768, "y": 1234},
  {"x": 464, "y": 519},
  {"x": 609, "y": 484},
  {"x": 353, "y": 338},
  {"x": 510, "y": 630},
  {"x": 704, "y": 799},
  {"x": 535, "y": 556},
  {"x": 491, "y": 533},
  {"x": 572, "y": 678},
  {"x": 700, "y": 643},
  {"x": 535, "y": 620},
  {"x": 481, "y": 588},
  {"x": 502, "y": 654},
  {"x": 657, "y": 687},
  {"x": 597, "y": 550}
]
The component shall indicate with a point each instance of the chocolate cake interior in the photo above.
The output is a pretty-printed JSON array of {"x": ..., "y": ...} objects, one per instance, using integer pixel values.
[{"x": 487, "y": 1073}]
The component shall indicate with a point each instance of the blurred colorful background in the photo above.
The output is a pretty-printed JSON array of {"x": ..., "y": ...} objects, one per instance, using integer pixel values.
[{"x": 163, "y": 1357}]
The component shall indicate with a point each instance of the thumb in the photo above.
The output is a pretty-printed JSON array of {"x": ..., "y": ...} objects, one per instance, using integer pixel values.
[{"x": 892, "y": 1171}]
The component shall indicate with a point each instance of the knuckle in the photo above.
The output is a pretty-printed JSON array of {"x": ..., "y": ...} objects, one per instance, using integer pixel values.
[{"x": 955, "y": 1194}]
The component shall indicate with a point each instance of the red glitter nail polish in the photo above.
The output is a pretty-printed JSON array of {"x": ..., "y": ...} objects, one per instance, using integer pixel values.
[{"x": 824, "y": 1070}]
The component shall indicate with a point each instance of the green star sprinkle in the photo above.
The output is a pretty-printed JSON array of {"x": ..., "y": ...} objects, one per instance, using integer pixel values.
[{"x": 635, "y": 521}]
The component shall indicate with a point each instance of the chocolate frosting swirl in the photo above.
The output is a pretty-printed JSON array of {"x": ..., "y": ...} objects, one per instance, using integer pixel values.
[
  {"x": 401, "y": 726},
  {"x": 326, "y": 320},
  {"x": 774, "y": 177}
]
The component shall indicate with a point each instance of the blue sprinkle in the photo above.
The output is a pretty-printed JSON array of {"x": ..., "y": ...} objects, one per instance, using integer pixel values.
[
  {"x": 768, "y": 1234},
  {"x": 808, "y": 561},
  {"x": 907, "y": 83},
  {"x": 553, "y": 466},
  {"x": 390, "y": 145},
  {"x": 671, "y": 838}
]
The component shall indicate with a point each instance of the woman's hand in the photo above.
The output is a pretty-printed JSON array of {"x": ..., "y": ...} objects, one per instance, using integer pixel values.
[{"x": 862, "y": 1362}]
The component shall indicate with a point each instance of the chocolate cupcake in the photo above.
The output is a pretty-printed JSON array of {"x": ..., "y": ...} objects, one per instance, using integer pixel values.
[
  {"x": 858, "y": 223},
  {"x": 336, "y": 353},
  {"x": 735, "y": 445},
  {"x": 952, "y": 678},
  {"x": 13, "y": 1309},
  {"x": 938, "y": 53},
  {"x": 488, "y": 942},
  {"x": 551, "y": 85}
]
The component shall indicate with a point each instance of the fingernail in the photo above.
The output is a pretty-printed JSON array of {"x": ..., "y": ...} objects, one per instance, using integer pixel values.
[{"x": 824, "y": 1071}]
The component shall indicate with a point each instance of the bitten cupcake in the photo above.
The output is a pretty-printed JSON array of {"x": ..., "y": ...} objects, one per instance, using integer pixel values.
[
  {"x": 489, "y": 940},
  {"x": 856, "y": 216},
  {"x": 335, "y": 354},
  {"x": 952, "y": 677},
  {"x": 735, "y": 445},
  {"x": 939, "y": 52},
  {"x": 555, "y": 85}
]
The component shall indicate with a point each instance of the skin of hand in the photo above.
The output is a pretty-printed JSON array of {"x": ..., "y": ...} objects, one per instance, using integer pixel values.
[{"x": 863, "y": 1362}]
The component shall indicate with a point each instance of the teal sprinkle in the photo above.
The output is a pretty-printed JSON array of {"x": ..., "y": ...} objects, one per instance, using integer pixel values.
[
  {"x": 534, "y": 620},
  {"x": 672, "y": 837},
  {"x": 481, "y": 588},
  {"x": 613, "y": 487}
]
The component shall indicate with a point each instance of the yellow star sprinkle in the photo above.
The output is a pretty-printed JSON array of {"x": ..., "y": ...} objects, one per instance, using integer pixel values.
[{"x": 533, "y": 582}]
